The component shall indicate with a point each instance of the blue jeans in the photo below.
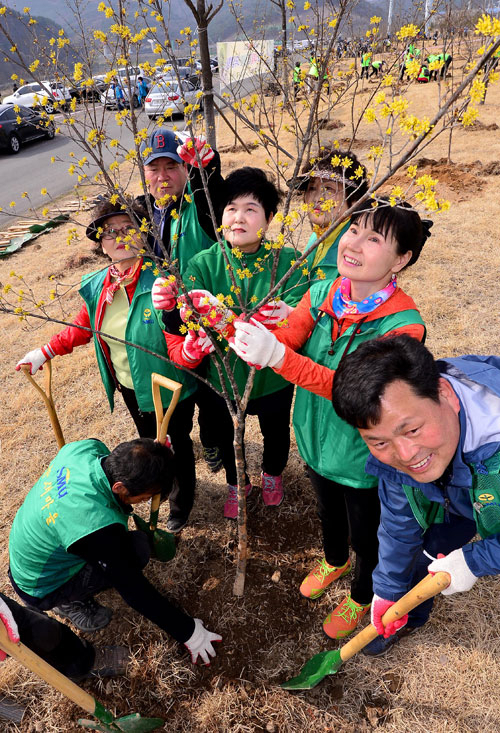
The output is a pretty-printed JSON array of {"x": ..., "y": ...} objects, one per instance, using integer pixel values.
[{"x": 443, "y": 538}]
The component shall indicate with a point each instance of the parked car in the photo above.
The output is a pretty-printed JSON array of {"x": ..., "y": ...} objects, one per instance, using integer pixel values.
[
  {"x": 15, "y": 132},
  {"x": 167, "y": 97},
  {"x": 32, "y": 95},
  {"x": 90, "y": 93}
]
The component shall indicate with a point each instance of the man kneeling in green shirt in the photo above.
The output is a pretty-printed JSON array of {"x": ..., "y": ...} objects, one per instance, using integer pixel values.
[{"x": 69, "y": 540}]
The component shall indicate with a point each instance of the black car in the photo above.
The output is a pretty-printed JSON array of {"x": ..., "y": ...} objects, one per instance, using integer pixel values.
[
  {"x": 86, "y": 93},
  {"x": 17, "y": 128}
]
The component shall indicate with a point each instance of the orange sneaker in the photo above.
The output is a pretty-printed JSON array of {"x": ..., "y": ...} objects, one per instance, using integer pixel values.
[
  {"x": 343, "y": 620},
  {"x": 320, "y": 578}
]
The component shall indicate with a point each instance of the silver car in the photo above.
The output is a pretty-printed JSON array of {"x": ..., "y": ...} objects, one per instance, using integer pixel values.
[{"x": 167, "y": 97}]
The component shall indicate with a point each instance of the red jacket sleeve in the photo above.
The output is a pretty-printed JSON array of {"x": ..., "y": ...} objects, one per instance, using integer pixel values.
[
  {"x": 300, "y": 323},
  {"x": 65, "y": 341},
  {"x": 306, "y": 373},
  {"x": 175, "y": 353}
]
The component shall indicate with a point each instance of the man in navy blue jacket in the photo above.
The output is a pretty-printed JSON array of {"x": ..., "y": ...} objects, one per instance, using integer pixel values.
[{"x": 433, "y": 429}]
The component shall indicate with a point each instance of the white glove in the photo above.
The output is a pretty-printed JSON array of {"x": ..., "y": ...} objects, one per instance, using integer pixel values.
[
  {"x": 462, "y": 578},
  {"x": 200, "y": 643},
  {"x": 164, "y": 294},
  {"x": 256, "y": 345},
  {"x": 9, "y": 623},
  {"x": 36, "y": 359},
  {"x": 273, "y": 312}
]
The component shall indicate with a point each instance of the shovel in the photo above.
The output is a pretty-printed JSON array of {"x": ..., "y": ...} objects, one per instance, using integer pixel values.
[
  {"x": 129, "y": 723},
  {"x": 46, "y": 396},
  {"x": 163, "y": 542},
  {"x": 329, "y": 662}
]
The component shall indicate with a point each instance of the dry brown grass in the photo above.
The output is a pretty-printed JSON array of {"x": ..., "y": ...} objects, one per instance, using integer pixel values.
[{"x": 443, "y": 679}]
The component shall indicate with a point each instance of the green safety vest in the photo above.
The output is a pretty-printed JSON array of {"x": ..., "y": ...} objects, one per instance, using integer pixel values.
[
  {"x": 366, "y": 59},
  {"x": 187, "y": 236},
  {"x": 484, "y": 495},
  {"x": 208, "y": 271},
  {"x": 329, "y": 445},
  {"x": 142, "y": 329},
  {"x": 297, "y": 74},
  {"x": 69, "y": 501}
]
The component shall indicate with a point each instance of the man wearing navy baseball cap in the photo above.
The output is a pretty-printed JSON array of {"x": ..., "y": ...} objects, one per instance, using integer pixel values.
[
  {"x": 183, "y": 228},
  {"x": 175, "y": 185}
]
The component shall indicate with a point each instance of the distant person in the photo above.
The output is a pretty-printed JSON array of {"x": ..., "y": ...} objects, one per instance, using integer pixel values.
[
  {"x": 377, "y": 67},
  {"x": 118, "y": 94},
  {"x": 142, "y": 90},
  {"x": 70, "y": 539},
  {"x": 366, "y": 62},
  {"x": 297, "y": 77}
]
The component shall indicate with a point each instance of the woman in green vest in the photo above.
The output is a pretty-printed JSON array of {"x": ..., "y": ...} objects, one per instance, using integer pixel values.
[
  {"x": 331, "y": 320},
  {"x": 332, "y": 182},
  {"x": 118, "y": 305}
]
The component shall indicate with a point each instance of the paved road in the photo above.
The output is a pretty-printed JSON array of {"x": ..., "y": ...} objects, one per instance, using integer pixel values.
[{"x": 31, "y": 170}]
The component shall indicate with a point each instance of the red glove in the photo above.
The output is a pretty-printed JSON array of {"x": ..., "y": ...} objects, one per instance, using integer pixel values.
[
  {"x": 379, "y": 607},
  {"x": 208, "y": 311},
  {"x": 196, "y": 346},
  {"x": 10, "y": 624},
  {"x": 164, "y": 294},
  {"x": 273, "y": 313},
  {"x": 186, "y": 151}
]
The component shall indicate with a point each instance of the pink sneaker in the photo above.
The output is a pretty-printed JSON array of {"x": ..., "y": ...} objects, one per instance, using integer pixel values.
[
  {"x": 231, "y": 505},
  {"x": 272, "y": 489}
]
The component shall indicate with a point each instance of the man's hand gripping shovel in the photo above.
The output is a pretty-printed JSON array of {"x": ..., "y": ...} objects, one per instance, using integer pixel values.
[
  {"x": 329, "y": 662},
  {"x": 163, "y": 542},
  {"x": 107, "y": 722}
]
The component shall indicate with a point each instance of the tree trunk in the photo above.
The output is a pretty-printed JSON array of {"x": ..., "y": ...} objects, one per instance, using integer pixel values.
[
  {"x": 206, "y": 83},
  {"x": 241, "y": 563}
]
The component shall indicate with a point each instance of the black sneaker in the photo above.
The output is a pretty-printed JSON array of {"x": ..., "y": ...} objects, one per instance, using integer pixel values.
[
  {"x": 175, "y": 524},
  {"x": 110, "y": 661},
  {"x": 380, "y": 646},
  {"x": 212, "y": 459},
  {"x": 85, "y": 615}
]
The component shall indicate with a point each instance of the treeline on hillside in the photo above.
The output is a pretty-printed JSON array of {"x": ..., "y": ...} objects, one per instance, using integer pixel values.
[{"x": 23, "y": 40}]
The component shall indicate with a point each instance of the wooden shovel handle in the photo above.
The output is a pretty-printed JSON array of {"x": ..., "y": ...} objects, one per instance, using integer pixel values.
[
  {"x": 162, "y": 421},
  {"x": 44, "y": 670},
  {"x": 47, "y": 398},
  {"x": 429, "y": 587}
]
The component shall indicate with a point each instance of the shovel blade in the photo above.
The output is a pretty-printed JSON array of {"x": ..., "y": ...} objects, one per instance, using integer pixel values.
[
  {"x": 314, "y": 670},
  {"x": 163, "y": 543},
  {"x": 129, "y": 724},
  {"x": 135, "y": 724},
  {"x": 164, "y": 546}
]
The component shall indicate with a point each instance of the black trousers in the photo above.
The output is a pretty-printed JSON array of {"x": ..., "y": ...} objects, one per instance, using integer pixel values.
[
  {"x": 181, "y": 498},
  {"x": 88, "y": 581},
  {"x": 346, "y": 513},
  {"x": 273, "y": 412},
  {"x": 52, "y": 640}
]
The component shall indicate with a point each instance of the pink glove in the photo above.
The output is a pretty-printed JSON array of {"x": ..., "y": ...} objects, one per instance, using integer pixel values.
[
  {"x": 36, "y": 358},
  {"x": 208, "y": 311},
  {"x": 196, "y": 346},
  {"x": 8, "y": 621},
  {"x": 164, "y": 294},
  {"x": 186, "y": 151},
  {"x": 273, "y": 313},
  {"x": 379, "y": 607}
]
